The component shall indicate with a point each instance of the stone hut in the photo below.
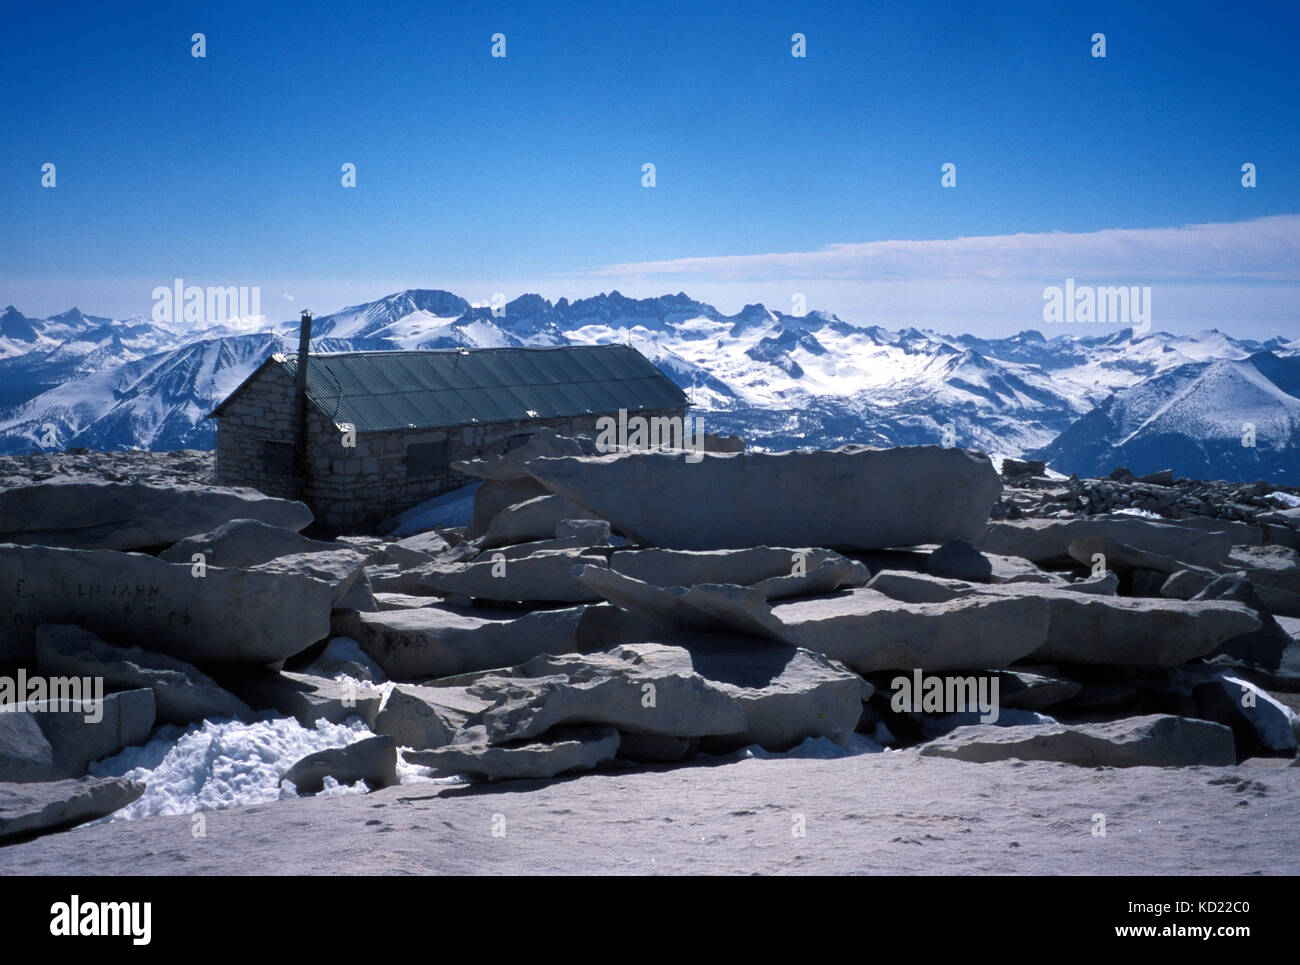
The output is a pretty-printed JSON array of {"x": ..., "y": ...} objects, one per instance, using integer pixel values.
[{"x": 362, "y": 436}]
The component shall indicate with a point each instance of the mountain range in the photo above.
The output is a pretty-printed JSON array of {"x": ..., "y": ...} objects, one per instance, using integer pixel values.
[{"x": 1085, "y": 403}]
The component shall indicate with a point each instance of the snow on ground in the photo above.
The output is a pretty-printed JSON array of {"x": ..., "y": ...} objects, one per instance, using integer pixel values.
[
  {"x": 449, "y": 509},
  {"x": 220, "y": 764},
  {"x": 345, "y": 650},
  {"x": 1286, "y": 499}
]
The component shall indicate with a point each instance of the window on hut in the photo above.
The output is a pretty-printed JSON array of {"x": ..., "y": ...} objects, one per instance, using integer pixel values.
[
  {"x": 426, "y": 459},
  {"x": 277, "y": 459}
]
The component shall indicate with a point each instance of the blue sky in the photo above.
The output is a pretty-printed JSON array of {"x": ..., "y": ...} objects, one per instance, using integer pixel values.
[{"x": 481, "y": 174}]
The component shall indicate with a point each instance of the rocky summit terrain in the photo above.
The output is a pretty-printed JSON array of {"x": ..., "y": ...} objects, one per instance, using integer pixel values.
[{"x": 852, "y": 660}]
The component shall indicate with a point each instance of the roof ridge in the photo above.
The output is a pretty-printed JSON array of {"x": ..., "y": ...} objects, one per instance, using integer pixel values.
[
  {"x": 394, "y": 389},
  {"x": 468, "y": 351}
]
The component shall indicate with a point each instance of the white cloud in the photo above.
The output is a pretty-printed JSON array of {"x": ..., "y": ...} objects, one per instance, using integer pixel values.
[
  {"x": 1265, "y": 249},
  {"x": 1239, "y": 276}
]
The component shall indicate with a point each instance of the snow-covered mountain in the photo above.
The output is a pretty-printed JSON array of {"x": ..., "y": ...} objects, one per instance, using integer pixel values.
[
  {"x": 782, "y": 381},
  {"x": 157, "y": 402},
  {"x": 37, "y": 354},
  {"x": 1233, "y": 419}
]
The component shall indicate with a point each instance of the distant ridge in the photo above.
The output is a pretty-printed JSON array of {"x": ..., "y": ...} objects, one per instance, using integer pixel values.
[{"x": 1080, "y": 399}]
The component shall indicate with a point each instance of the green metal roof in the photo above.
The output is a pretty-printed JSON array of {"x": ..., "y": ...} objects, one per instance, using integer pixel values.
[{"x": 382, "y": 391}]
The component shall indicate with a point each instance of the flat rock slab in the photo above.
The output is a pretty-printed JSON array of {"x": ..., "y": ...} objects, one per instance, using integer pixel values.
[
  {"x": 1241, "y": 533},
  {"x": 1105, "y": 585},
  {"x": 392, "y": 579},
  {"x": 545, "y": 577},
  {"x": 225, "y": 617},
  {"x": 535, "y": 519},
  {"x": 1133, "y": 632},
  {"x": 27, "y": 810},
  {"x": 413, "y": 550},
  {"x": 743, "y": 567},
  {"x": 918, "y": 588},
  {"x": 788, "y": 694},
  {"x": 339, "y": 569},
  {"x": 403, "y": 601},
  {"x": 830, "y": 575},
  {"x": 519, "y": 551},
  {"x": 894, "y": 813},
  {"x": 93, "y": 514},
  {"x": 244, "y": 542},
  {"x": 706, "y": 606},
  {"x": 564, "y": 750},
  {"x": 639, "y": 688},
  {"x": 496, "y": 495},
  {"x": 1158, "y": 740},
  {"x": 1047, "y": 541},
  {"x": 56, "y": 739},
  {"x": 439, "y": 641},
  {"x": 1120, "y": 556},
  {"x": 1016, "y": 569},
  {"x": 1091, "y": 628},
  {"x": 427, "y": 717},
  {"x": 308, "y": 698},
  {"x": 1271, "y": 566},
  {"x": 373, "y": 760},
  {"x": 870, "y": 632},
  {"x": 847, "y": 498},
  {"x": 182, "y": 693}
]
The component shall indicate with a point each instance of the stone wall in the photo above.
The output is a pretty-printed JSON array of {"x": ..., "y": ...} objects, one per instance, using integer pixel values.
[
  {"x": 262, "y": 413},
  {"x": 355, "y": 487}
]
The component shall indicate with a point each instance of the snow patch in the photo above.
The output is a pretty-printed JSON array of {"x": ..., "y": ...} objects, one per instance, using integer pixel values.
[
  {"x": 220, "y": 764},
  {"x": 346, "y": 650},
  {"x": 1134, "y": 511},
  {"x": 450, "y": 509}
]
